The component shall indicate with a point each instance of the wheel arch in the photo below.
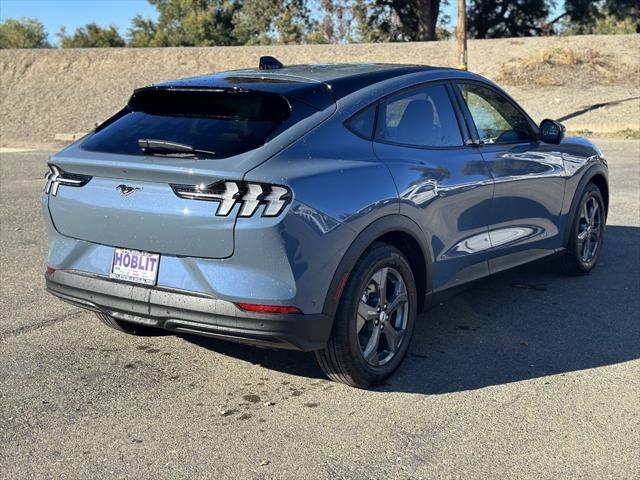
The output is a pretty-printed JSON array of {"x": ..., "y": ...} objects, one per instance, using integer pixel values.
[
  {"x": 396, "y": 230},
  {"x": 601, "y": 182},
  {"x": 596, "y": 175}
]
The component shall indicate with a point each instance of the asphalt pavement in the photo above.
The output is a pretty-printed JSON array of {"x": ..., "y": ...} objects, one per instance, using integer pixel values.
[{"x": 528, "y": 374}]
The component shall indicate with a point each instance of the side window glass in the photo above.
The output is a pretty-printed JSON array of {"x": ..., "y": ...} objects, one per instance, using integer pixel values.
[
  {"x": 420, "y": 117},
  {"x": 496, "y": 118},
  {"x": 362, "y": 122}
]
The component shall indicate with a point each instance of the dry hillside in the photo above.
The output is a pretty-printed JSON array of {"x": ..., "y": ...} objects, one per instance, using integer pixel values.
[{"x": 590, "y": 81}]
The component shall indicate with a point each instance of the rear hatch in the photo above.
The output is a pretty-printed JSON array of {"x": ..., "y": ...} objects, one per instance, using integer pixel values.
[{"x": 115, "y": 186}]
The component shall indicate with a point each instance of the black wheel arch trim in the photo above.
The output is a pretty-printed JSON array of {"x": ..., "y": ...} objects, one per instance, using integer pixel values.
[
  {"x": 587, "y": 177},
  {"x": 385, "y": 225}
]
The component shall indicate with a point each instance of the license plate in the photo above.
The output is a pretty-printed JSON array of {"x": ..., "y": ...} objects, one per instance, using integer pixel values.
[{"x": 135, "y": 266}]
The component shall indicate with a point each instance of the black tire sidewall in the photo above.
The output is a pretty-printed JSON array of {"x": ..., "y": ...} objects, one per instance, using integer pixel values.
[{"x": 378, "y": 258}]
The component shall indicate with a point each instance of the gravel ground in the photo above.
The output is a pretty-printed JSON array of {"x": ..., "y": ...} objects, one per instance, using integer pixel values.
[
  {"x": 47, "y": 92},
  {"x": 526, "y": 375}
]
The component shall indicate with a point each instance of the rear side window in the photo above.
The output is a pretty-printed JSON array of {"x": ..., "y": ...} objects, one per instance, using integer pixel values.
[
  {"x": 420, "y": 117},
  {"x": 223, "y": 122}
]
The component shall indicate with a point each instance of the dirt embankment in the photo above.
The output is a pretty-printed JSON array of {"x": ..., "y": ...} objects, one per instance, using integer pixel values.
[{"x": 589, "y": 82}]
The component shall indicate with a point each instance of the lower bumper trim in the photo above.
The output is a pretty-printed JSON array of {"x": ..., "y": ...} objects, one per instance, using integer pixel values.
[{"x": 192, "y": 313}]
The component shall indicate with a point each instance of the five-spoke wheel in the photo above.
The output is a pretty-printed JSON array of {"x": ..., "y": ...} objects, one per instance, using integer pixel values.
[
  {"x": 375, "y": 319},
  {"x": 381, "y": 322},
  {"x": 589, "y": 230},
  {"x": 587, "y": 233}
]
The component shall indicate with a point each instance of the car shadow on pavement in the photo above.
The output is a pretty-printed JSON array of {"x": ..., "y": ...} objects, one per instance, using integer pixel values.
[
  {"x": 594, "y": 106},
  {"x": 528, "y": 323}
]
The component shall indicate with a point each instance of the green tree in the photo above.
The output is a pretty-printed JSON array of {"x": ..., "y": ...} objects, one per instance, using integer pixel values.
[
  {"x": 91, "y": 36},
  {"x": 602, "y": 16},
  {"x": 507, "y": 18},
  {"x": 337, "y": 22},
  {"x": 517, "y": 18},
  {"x": 23, "y": 33},
  {"x": 253, "y": 23},
  {"x": 143, "y": 33},
  {"x": 187, "y": 23},
  {"x": 606, "y": 24},
  {"x": 223, "y": 22},
  {"x": 397, "y": 20},
  {"x": 293, "y": 23}
]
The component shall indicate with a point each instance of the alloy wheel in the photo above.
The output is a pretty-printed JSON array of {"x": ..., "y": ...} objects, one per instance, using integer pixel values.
[
  {"x": 382, "y": 316},
  {"x": 589, "y": 229}
]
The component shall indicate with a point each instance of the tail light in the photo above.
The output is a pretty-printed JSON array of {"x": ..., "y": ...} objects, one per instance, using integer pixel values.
[
  {"x": 56, "y": 177},
  {"x": 249, "y": 195}
]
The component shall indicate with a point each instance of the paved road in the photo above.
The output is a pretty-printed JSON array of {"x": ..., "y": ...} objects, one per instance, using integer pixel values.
[{"x": 527, "y": 375}]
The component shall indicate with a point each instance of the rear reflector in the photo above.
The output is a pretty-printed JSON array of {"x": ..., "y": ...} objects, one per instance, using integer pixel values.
[
  {"x": 50, "y": 270},
  {"x": 248, "y": 307}
]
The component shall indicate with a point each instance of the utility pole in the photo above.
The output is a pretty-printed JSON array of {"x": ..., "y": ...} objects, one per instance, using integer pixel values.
[{"x": 461, "y": 34}]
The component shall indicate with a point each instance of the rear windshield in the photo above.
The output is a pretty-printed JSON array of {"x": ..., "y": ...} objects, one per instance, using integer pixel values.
[{"x": 224, "y": 122}]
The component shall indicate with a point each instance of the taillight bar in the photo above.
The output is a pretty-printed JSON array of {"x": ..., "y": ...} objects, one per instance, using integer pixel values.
[
  {"x": 56, "y": 177},
  {"x": 249, "y": 194}
]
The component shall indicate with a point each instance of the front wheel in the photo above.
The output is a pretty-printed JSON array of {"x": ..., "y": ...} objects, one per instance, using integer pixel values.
[
  {"x": 587, "y": 234},
  {"x": 375, "y": 320}
]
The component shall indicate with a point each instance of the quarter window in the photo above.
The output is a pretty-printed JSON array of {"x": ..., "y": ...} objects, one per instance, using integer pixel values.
[
  {"x": 362, "y": 122},
  {"x": 420, "y": 117},
  {"x": 496, "y": 119}
]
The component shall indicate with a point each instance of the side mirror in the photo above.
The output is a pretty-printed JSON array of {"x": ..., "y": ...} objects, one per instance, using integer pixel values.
[{"x": 551, "y": 131}]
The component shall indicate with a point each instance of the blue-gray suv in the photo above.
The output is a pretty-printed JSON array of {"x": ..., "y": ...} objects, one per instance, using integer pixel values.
[{"x": 313, "y": 207}]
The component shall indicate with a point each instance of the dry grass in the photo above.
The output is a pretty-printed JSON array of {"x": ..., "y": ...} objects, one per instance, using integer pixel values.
[
  {"x": 51, "y": 91},
  {"x": 563, "y": 66}
]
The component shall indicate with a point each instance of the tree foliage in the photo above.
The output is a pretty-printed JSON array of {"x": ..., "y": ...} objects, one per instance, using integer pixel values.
[
  {"x": 336, "y": 24},
  {"x": 518, "y": 18},
  {"x": 186, "y": 23},
  {"x": 256, "y": 22},
  {"x": 23, "y": 33},
  {"x": 91, "y": 36},
  {"x": 603, "y": 16},
  {"x": 606, "y": 24},
  {"x": 260, "y": 22},
  {"x": 265, "y": 22},
  {"x": 222, "y": 22},
  {"x": 507, "y": 18},
  {"x": 399, "y": 20},
  {"x": 143, "y": 33}
]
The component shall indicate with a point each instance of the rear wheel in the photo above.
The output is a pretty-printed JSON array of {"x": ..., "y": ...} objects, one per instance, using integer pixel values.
[
  {"x": 129, "y": 327},
  {"x": 375, "y": 320},
  {"x": 587, "y": 234}
]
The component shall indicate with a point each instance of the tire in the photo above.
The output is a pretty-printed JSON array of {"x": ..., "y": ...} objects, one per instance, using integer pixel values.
[
  {"x": 580, "y": 258},
  {"x": 353, "y": 337},
  {"x": 129, "y": 327}
]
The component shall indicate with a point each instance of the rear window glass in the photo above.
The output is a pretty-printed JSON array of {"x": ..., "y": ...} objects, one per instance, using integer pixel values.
[{"x": 226, "y": 123}]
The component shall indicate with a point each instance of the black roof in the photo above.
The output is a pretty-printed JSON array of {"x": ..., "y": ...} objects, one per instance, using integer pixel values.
[{"x": 318, "y": 85}]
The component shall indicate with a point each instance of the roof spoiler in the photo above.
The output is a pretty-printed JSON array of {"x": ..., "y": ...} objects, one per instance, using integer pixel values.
[{"x": 269, "y": 63}]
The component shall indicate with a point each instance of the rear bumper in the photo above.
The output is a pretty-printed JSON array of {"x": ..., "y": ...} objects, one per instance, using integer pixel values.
[{"x": 189, "y": 312}]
